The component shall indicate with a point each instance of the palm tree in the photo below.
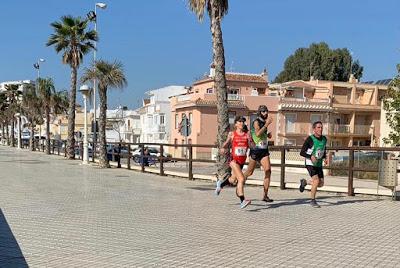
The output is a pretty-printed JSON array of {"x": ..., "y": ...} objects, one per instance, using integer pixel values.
[
  {"x": 71, "y": 38},
  {"x": 32, "y": 108},
  {"x": 108, "y": 75},
  {"x": 216, "y": 10},
  {"x": 13, "y": 95},
  {"x": 3, "y": 118}
]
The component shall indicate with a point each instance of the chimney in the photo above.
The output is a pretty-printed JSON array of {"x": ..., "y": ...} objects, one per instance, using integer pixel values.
[
  {"x": 264, "y": 74},
  {"x": 212, "y": 70}
]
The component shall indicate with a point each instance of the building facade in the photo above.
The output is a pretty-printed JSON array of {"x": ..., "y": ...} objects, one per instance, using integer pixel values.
[
  {"x": 155, "y": 114},
  {"x": 245, "y": 93}
]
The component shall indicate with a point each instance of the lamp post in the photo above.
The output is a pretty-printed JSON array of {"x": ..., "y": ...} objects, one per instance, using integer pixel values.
[
  {"x": 85, "y": 90},
  {"x": 92, "y": 16},
  {"x": 37, "y": 67}
]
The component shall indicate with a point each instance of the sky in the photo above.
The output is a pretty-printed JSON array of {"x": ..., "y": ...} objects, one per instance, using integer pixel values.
[{"x": 161, "y": 42}]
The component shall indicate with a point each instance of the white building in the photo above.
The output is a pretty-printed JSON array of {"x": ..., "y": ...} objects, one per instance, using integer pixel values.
[
  {"x": 122, "y": 124},
  {"x": 155, "y": 114}
]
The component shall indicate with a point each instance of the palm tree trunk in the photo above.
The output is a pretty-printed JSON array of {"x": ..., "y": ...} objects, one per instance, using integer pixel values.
[
  {"x": 103, "y": 161},
  {"x": 32, "y": 138},
  {"x": 220, "y": 85},
  {"x": 71, "y": 116},
  {"x": 2, "y": 133},
  {"x": 47, "y": 130},
  {"x": 8, "y": 134},
  {"x": 12, "y": 133}
]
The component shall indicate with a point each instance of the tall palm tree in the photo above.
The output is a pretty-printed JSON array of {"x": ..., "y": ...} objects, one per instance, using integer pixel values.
[
  {"x": 71, "y": 38},
  {"x": 108, "y": 75},
  {"x": 32, "y": 108},
  {"x": 3, "y": 118},
  {"x": 216, "y": 10},
  {"x": 13, "y": 95}
]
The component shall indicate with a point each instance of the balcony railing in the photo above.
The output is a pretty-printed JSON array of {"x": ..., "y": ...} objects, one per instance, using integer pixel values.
[
  {"x": 304, "y": 100},
  {"x": 232, "y": 97},
  {"x": 343, "y": 129},
  {"x": 362, "y": 129}
]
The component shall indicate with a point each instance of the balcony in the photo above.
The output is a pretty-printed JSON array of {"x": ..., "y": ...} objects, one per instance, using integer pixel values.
[
  {"x": 304, "y": 104},
  {"x": 157, "y": 129},
  {"x": 362, "y": 129},
  {"x": 340, "y": 129},
  {"x": 234, "y": 97}
]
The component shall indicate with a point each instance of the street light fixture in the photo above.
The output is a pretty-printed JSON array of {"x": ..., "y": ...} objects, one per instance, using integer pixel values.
[
  {"x": 92, "y": 16},
  {"x": 85, "y": 90}
]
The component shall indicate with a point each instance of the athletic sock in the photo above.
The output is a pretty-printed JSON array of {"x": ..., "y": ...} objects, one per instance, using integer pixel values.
[
  {"x": 224, "y": 183},
  {"x": 241, "y": 198}
]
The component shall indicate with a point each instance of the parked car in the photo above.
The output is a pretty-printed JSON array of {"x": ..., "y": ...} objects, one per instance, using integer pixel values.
[
  {"x": 360, "y": 155},
  {"x": 153, "y": 151}
]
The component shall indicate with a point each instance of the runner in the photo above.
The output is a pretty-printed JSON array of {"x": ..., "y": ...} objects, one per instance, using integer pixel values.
[
  {"x": 314, "y": 151},
  {"x": 260, "y": 152},
  {"x": 240, "y": 143}
]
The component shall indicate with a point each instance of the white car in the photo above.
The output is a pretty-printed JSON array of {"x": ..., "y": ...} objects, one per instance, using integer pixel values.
[{"x": 154, "y": 151}]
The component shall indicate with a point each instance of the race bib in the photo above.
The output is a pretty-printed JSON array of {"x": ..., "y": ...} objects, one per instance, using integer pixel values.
[
  {"x": 240, "y": 151},
  {"x": 319, "y": 154},
  {"x": 262, "y": 145}
]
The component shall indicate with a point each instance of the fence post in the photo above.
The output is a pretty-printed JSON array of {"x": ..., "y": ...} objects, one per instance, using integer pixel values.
[
  {"x": 128, "y": 164},
  {"x": 94, "y": 147},
  {"x": 283, "y": 157},
  {"x": 119, "y": 155},
  {"x": 190, "y": 162},
  {"x": 142, "y": 156},
  {"x": 350, "y": 188},
  {"x": 162, "y": 160},
  {"x": 58, "y": 147},
  {"x": 65, "y": 148},
  {"x": 52, "y": 145},
  {"x": 81, "y": 150}
]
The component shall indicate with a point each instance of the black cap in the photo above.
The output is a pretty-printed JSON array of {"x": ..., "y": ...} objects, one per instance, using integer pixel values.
[
  {"x": 240, "y": 118},
  {"x": 262, "y": 108}
]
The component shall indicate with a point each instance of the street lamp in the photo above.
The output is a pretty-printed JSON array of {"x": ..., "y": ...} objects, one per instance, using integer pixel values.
[
  {"x": 85, "y": 90},
  {"x": 37, "y": 67},
  {"x": 92, "y": 16}
]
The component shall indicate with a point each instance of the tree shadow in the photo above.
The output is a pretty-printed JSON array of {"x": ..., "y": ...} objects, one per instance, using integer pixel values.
[
  {"x": 323, "y": 201},
  {"x": 10, "y": 252}
]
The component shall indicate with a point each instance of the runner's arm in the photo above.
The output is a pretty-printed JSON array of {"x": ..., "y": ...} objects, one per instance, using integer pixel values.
[
  {"x": 228, "y": 140},
  {"x": 259, "y": 131},
  {"x": 308, "y": 144}
]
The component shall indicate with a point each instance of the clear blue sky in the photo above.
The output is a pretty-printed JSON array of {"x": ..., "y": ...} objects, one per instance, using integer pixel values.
[{"x": 160, "y": 42}]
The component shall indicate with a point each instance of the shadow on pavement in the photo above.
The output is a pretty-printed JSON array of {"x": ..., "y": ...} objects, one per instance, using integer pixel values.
[
  {"x": 323, "y": 201},
  {"x": 10, "y": 252}
]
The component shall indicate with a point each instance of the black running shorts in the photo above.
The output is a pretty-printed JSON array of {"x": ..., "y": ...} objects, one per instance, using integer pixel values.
[
  {"x": 258, "y": 154},
  {"x": 315, "y": 171}
]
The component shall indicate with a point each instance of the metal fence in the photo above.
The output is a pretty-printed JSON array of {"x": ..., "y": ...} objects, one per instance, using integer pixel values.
[{"x": 350, "y": 162}]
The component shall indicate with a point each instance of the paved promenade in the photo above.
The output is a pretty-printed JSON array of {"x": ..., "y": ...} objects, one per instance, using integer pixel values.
[{"x": 58, "y": 213}]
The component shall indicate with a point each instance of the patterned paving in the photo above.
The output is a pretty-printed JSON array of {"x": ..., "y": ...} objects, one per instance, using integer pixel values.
[{"x": 58, "y": 213}]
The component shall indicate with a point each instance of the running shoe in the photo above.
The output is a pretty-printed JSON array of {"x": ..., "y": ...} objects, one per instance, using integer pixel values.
[
  {"x": 245, "y": 203},
  {"x": 267, "y": 199},
  {"x": 314, "y": 203},
  {"x": 218, "y": 188},
  {"x": 303, "y": 184}
]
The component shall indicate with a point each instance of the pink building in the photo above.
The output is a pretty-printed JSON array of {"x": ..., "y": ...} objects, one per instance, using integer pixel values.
[
  {"x": 350, "y": 111},
  {"x": 245, "y": 93}
]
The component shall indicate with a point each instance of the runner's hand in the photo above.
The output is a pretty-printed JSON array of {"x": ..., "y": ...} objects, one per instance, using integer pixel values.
[
  {"x": 313, "y": 159},
  {"x": 269, "y": 135}
]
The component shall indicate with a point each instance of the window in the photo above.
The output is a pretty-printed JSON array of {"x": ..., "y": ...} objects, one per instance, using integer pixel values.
[
  {"x": 290, "y": 142},
  {"x": 232, "y": 116},
  {"x": 162, "y": 119},
  {"x": 129, "y": 123},
  {"x": 190, "y": 118},
  {"x": 210, "y": 90},
  {"x": 176, "y": 121},
  {"x": 234, "y": 91},
  {"x": 315, "y": 118},
  {"x": 176, "y": 142},
  {"x": 290, "y": 123},
  {"x": 162, "y": 136}
]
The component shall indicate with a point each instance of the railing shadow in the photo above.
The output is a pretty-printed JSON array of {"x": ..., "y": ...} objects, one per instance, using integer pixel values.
[{"x": 10, "y": 252}]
